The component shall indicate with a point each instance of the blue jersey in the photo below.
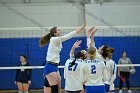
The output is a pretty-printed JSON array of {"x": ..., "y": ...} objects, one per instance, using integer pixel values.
[{"x": 23, "y": 75}]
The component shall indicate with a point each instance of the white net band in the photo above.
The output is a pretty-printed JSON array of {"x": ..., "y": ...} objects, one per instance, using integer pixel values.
[{"x": 40, "y": 67}]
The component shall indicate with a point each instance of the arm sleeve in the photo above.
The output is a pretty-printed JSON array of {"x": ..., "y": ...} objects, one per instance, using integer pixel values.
[
  {"x": 65, "y": 37},
  {"x": 29, "y": 73},
  {"x": 105, "y": 75},
  {"x": 88, "y": 42},
  {"x": 16, "y": 74},
  {"x": 114, "y": 70},
  {"x": 82, "y": 74},
  {"x": 65, "y": 72}
]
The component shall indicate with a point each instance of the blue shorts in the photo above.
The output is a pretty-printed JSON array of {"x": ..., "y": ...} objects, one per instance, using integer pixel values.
[
  {"x": 95, "y": 89},
  {"x": 50, "y": 68}
]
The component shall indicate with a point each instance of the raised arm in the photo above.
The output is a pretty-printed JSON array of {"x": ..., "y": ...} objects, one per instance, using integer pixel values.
[
  {"x": 71, "y": 34},
  {"x": 75, "y": 45},
  {"x": 90, "y": 41}
]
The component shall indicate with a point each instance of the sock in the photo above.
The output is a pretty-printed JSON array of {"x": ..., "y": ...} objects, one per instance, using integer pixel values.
[
  {"x": 20, "y": 91},
  {"x": 26, "y": 92}
]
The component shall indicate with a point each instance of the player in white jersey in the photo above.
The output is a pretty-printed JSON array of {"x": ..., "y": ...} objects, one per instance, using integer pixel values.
[
  {"x": 93, "y": 73},
  {"x": 55, "y": 39},
  {"x": 72, "y": 74},
  {"x": 111, "y": 72},
  {"x": 104, "y": 53}
]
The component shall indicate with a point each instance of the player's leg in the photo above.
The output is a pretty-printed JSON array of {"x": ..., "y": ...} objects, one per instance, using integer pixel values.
[
  {"x": 53, "y": 79},
  {"x": 25, "y": 87},
  {"x": 47, "y": 87},
  {"x": 20, "y": 87}
]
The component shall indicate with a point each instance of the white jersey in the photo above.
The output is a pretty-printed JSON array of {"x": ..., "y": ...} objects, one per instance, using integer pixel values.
[
  {"x": 111, "y": 72},
  {"x": 98, "y": 56},
  {"x": 93, "y": 73},
  {"x": 55, "y": 47},
  {"x": 72, "y": 75}
]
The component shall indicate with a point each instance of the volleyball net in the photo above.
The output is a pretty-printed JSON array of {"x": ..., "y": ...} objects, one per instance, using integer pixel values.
[{"x": 15, "y": 42}]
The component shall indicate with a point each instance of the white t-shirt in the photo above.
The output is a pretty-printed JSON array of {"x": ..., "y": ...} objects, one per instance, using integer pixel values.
[
  {"x": 55, "y": 47},
  {"x": 72, "y": 75},
  {"x": 93, "y": 73}
]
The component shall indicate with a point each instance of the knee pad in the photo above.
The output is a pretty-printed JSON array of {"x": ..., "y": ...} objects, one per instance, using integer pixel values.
[
  {"x": 46, "y": 83},
  {"x": 54, "y": 88}
]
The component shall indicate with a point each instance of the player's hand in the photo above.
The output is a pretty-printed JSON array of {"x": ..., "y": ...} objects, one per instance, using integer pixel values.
[
  {"x": 89, "y": 31},
  {"x": 81, "y": 28},
  {"x": 93, "y": 32},
  {"x": 77, "y": 44},
  {"x": 29, "y": 82}
]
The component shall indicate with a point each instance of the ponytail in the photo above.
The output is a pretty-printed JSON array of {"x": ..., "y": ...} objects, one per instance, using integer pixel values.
[
  {"x": 73, "y": 62},
  {"x": 78, "y": 55},
  {"x": 45, "y": 39}
]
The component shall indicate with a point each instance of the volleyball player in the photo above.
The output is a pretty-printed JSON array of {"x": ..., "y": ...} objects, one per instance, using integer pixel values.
[
  {"x": 23, "y": 76},
  {"x": 111, "y": 69},
  {"x": 55, "y": 40},
  {"x": 72, "y": 74},
  {"x": 93, "y": 73},
  {"x": 105, "y": 53}
]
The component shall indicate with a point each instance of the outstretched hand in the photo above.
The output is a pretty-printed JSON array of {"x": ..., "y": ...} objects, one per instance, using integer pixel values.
[
  {"x": 77, "y": 44},
  {"x": 81, "y": 28},
  {"x": 90, "y": 30},
  {"x": 93, "y": 32}
]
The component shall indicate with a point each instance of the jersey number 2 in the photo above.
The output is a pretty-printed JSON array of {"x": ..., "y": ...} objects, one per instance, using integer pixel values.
[
  {"x": 93, "y": 69},
  {"x": 73, "y": 68}
]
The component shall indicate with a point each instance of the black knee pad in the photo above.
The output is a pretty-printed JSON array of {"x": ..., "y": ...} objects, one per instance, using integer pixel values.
[
  {"x": 46, "y": 83},
  {"x": 54, "y": 88}
]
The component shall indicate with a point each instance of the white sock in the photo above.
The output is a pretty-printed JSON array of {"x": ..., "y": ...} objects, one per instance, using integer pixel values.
[
  {"x": 20, "y": 91},
  {"x": 26, "y": 92}
]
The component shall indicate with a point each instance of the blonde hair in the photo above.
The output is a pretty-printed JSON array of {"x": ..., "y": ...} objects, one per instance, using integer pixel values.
[{"x": 91, "y": 53}]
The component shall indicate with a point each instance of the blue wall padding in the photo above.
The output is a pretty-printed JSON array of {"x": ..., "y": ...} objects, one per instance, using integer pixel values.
[{"x": 12, "y": 48}]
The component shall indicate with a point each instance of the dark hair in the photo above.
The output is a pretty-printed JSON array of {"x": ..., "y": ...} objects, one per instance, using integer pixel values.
[
  {"x": 25, "y": 57},
  {"x": 45, "y": 39},
  {"x": 107, "y": 50},
  {"x": 123, "y": 52},
  {"x": 78, "y": 55}
]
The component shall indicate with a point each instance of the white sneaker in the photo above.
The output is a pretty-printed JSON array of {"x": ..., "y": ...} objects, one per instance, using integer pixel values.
[
  {"x": 120, "y": 91},
  {"x": 129, "y": 91}
]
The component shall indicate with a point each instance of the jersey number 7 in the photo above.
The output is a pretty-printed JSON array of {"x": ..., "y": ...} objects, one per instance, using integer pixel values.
[{"x": 73, "y": 68}]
